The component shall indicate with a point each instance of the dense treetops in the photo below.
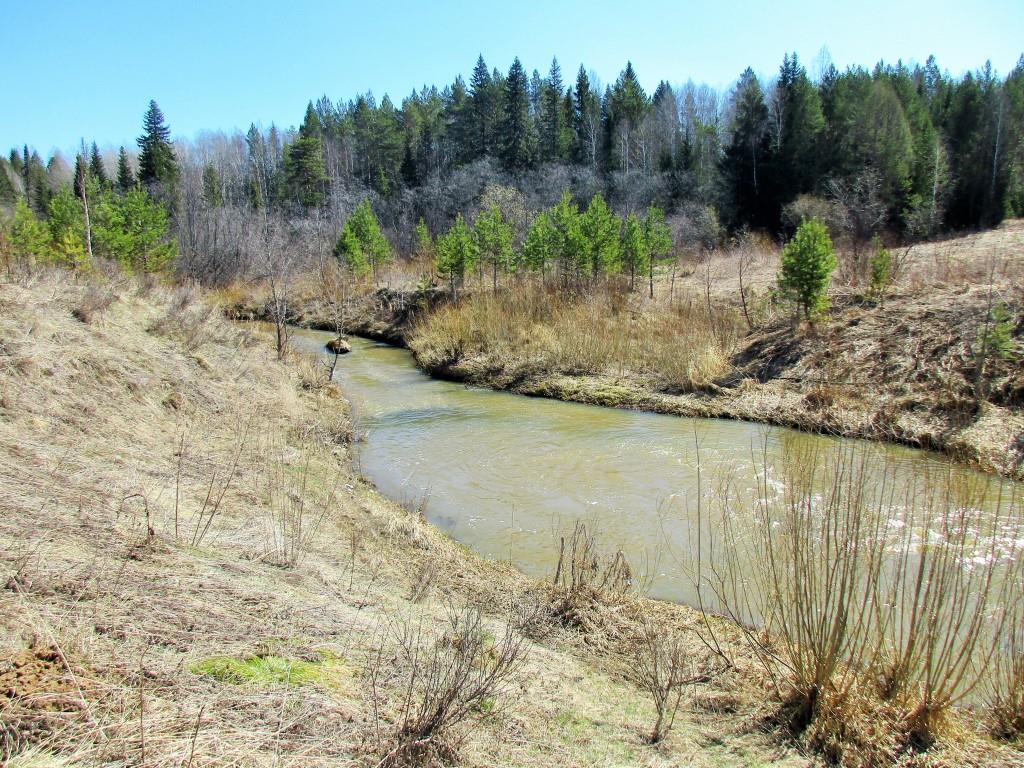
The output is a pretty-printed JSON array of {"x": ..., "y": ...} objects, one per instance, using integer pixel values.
[
  {"x": 94, "y": 216},
  {"x": 908, "y": 149},
  {"x": 563, "y": 243}
]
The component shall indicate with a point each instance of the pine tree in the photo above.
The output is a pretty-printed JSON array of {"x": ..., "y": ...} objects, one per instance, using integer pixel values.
[
  {"x": 362, "y": 244},
  {"x": 601, "y": 229},
  {"x": 657, "y": 240},
  {"x": 515, "y": 129},
  {"x": 806, "y": 269},
  {"x": 492, "y": 236},
  {"x": 96, "y": 169},
  {"x": 30, "y": 237},
  {"x": 67, "y": 229},
  {"x": 423, "y": 243},
  {"x": 456, "y": 254},
  {"x": 158, "y": 165},
  {"x": 125, "y": 176},
  {"x": 634, "y": 254},
  {"x": 570, "y": 250},
  {"x": 134, "y": 230}
]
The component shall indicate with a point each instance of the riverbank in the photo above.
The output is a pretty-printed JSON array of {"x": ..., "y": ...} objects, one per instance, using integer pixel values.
[
  {"x": 909, "y": 370},
  {"x": 194, "y": 573},
  {"x": 902, "y": 372}
]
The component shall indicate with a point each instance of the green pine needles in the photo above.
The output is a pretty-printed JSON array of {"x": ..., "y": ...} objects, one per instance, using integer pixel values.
[
  {"x": 808, "y": 261},
  {"x": 361, "y": 244}
]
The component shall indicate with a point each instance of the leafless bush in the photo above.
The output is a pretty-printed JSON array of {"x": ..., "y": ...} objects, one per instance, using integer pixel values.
[
  {"x": 1006, "y": 684},
  {"x": 582, "y": 568},
  {"x": 220, "y": 482},
  {"x": 844, "y": 575},
  {"x": 446, "y": 682},
  {"x": 96, "y": 298},
  {"x": 187, "y": 319},
  {"x": 584, "y": 574},
  {"x": 294, "y": 506},
  {"x": 425, "y": 577},
  {"x": 663, "y": 667}
]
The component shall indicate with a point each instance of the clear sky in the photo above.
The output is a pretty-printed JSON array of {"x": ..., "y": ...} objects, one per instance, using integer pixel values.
[{"x": 87, "y": 70}]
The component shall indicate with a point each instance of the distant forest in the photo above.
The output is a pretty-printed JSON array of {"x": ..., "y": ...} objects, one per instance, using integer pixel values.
[{"x": 912, "y": 151}]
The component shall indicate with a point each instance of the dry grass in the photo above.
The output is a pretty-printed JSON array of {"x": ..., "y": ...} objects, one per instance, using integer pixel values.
[
  {"x": 122, "y": 642},
  {"x": 528, "y": 330}
]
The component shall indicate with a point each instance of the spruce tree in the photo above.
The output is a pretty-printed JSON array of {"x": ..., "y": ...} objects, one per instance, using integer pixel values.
[
  {"x": 553, "y": 136},
  {"x": 125, "y": 176},
  {"x": 515, "y": 128},
  {"x": 481, "y": 128},
  {"x": 586, "y": 121},
  {"x": 157, "y": 162},
  {"x": 212, "y": 194},
  {"x": 797, "y": 159},
  {"x": 81, "y": 174},
  {"x": 96, "y": 169},
  {"x": 305, "y": 172},
  {"x": 746, "y": 159}
]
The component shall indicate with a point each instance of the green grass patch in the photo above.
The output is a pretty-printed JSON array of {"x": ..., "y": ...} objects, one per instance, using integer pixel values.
[{"x": 272, "y": 670}]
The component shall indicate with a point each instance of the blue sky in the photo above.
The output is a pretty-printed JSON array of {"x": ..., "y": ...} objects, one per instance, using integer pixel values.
[{"x": 87, "y": 70}]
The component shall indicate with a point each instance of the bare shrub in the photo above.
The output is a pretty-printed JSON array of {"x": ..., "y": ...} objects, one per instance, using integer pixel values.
[
  {"x": 1006, "y": 684},
  {"x": 663, "y": 667},
  {"x": 220, "y": 482},
  {"x": 584, "y": 574},
  {"x": 95, "y": 300},
  {"x": 188, "y": 318},
  {"x": 944, "y": 603},
  {"x": 446, "y": 683},
  {"x": 842, "y": 576},
  {"x": 295, "y": 507},
  {"x": 426, "y": 575}
]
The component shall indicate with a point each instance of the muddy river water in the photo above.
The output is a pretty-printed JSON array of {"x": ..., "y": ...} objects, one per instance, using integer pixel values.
[{"x": 509, "y": 475}]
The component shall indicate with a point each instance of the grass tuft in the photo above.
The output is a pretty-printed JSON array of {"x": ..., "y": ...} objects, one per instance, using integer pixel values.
[{"x": 271, "y": 670}]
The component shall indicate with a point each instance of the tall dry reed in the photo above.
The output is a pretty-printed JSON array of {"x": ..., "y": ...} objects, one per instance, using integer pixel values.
[{"x": 528, "y": 329}]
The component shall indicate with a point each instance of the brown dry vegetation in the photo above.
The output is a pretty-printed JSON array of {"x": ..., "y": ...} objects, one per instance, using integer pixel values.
[
  {"x": 903, "y": 369},
  {"x": 193, "y": 574},
  {"x": 152, "y": 461}
]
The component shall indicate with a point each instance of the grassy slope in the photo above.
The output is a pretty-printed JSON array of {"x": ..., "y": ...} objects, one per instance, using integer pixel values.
[{"x": 108, "y": 619}]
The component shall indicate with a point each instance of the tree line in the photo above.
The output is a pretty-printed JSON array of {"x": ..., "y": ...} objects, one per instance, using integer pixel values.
[
  {"x": 123, "y": 218},
  {"x": 910, "y": 150}
]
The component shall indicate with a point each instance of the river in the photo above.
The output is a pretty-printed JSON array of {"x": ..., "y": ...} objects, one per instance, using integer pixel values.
[{"x": 508, "y": 475}]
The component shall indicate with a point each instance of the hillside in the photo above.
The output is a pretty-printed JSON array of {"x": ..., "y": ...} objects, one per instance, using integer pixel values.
[{"x": 161, "y": 604}]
